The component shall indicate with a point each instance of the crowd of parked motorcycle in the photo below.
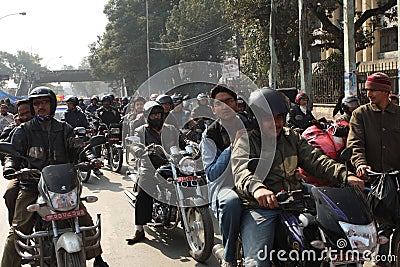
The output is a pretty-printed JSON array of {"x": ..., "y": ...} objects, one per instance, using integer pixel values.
[{"x": 191, "y": 159}]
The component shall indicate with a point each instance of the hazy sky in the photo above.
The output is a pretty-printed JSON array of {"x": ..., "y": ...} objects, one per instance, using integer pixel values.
[{"x": 52, "y": 28}]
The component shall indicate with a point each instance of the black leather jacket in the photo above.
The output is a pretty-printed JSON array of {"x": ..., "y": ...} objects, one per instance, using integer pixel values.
[
  {"x": 109, "y": 116},
  {"x": 76, "y": 118},
  {"x": 43, "y": 147},
  {"x": 297, "y": 119}
]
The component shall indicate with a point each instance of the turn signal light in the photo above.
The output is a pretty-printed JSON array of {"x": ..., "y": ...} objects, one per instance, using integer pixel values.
[{"x": 33, "y": 207}]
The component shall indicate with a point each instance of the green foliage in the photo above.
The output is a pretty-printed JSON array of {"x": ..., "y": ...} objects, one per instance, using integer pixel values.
[
  {"x": 196, "y": 30},
  {"x": 20, "y": 66},
  {"x": 251, "y": 18},
  {"x": 121, "y": 51}
]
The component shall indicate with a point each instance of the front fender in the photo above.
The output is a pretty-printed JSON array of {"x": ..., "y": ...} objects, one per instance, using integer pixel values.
[
  {"x": 117, "y": 146},
  {"x": 70, "y": 242}
]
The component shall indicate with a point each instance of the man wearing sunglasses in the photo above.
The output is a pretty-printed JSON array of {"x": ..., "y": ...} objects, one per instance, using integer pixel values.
[
  {"x": 44, "y": 141},
  {"x": 216, "y": 146}
]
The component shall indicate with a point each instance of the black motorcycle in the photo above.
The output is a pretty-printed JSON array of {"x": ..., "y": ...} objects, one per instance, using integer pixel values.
[
  {"x": 182, "y": 199},
  {"x": 85, "y": 170},
  {"x": 112, "y": 150}
]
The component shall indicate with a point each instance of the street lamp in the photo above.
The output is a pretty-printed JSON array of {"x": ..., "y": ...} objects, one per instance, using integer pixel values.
[{"x": 20, "y": 13}]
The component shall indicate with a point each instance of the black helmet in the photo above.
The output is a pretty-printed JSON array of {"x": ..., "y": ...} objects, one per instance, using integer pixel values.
[
  {"x": 152, "y": 107},
  {"x": 276, "y": 101},
  {"x": 73, "y": 100},
  {"x": 350, "y": 101},
  {"x": 105, "y": 98},
  {"x": 164, "y": 99},
  {"x": 43, "y": 91},
  {"x": 112, "y": 97},
  {"x": 177, "y": 99}
]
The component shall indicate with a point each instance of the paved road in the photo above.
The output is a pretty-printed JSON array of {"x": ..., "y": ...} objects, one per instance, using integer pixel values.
[{"x": 161, "y": 249}]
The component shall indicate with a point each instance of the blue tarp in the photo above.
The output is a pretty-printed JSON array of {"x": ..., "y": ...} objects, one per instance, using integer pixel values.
[{"x": 4, "y": 95}]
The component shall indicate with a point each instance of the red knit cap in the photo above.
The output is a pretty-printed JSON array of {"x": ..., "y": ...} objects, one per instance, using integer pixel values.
[{"x": 378, "y": 81}]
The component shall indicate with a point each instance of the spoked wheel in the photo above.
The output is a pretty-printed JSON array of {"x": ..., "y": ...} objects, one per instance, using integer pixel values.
[
  {"x": 200, "y": 237},
  {"x": 115, "y": 159},
  {"x": 396, "y": 248}
]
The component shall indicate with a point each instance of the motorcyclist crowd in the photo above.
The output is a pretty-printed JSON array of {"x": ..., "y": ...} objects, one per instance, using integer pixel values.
[{"x": 231, "y": 128}]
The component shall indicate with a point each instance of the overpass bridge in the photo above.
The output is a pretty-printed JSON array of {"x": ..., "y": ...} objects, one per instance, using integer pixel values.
[{"x": 44, "y": 77}]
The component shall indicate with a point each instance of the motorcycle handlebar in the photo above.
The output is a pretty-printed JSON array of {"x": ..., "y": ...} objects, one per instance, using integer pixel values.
[
  {"x": 24, "y": 174},
  {"x": 373, "y": 173}
]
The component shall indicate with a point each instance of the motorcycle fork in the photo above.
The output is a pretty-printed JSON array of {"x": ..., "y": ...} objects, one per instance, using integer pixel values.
[{"x": 180, "y": 199}]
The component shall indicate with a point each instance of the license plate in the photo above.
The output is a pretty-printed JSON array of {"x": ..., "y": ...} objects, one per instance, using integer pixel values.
[
  {"x": 64, "y": 215},
  {"x": 187, "y": 179},
  {"x": 114, "y": 139}
]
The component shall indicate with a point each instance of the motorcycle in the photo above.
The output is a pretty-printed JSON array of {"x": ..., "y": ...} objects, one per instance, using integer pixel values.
[
  {"x": 57, "y": 239},
  {"x": 112, "y": 150},
  {"x": 84, "y": 172},
  {"x": 321, "y": 226},
  {"x": 386, "y": 212},
  {"x": 190, "y": 207}
]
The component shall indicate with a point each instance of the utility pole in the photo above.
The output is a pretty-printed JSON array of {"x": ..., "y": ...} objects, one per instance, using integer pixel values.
[
  {"x": 305, "y": 58},
  {"x": 350, "y": 78},
  {"x": 148, "y": 46},
  {"x": 398, "y": 46},
  {"x": 272, "y": 38}
]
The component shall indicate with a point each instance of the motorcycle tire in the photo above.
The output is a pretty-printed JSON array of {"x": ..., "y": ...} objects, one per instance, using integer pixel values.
[
  {"x": 74, "y": 259},
  {"x": 396, "y": 247},
  {"x": 115, "y": 159},
  {"x": 200, "y": 238},
  {"x": 84, "y": 175}
]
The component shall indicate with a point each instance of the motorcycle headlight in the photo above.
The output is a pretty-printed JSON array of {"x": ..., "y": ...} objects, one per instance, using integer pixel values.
[
  {"x": 64, "y": 202},
  {"x": 114, "y": 131},
  {"x": 361, "y": 237},
  {"x": 187, "y": 165}
]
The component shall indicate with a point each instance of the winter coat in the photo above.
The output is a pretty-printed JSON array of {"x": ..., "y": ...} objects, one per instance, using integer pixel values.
[
  {"x": 297, "y": 119},
  {"x": 277, "y": 168},
  {"x": 76, "y": 118},
  {"x": 43, "y": 147},
  {"x": 375, "y": 137}
]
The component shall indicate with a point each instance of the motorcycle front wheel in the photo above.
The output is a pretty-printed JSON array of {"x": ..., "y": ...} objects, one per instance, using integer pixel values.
[
  {"x": 84, "y": 175},
  {"x": 73, "y": 259},
  {"x": 115, "y": 159},
  {"x": 200, "y": 237}
]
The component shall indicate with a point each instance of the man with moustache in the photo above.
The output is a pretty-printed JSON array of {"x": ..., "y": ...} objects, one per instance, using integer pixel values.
[
  {"x": 11, "y": 193},
  {"x": 281, "y": 150},
  {"x": 375, "y": 134},
  {"x": 43, "y": 141}
]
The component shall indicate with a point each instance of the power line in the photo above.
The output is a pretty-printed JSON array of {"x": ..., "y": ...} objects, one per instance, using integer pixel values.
[
  {"x": 194, "y": 37},
  {"x": 192, "y": 43}
]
